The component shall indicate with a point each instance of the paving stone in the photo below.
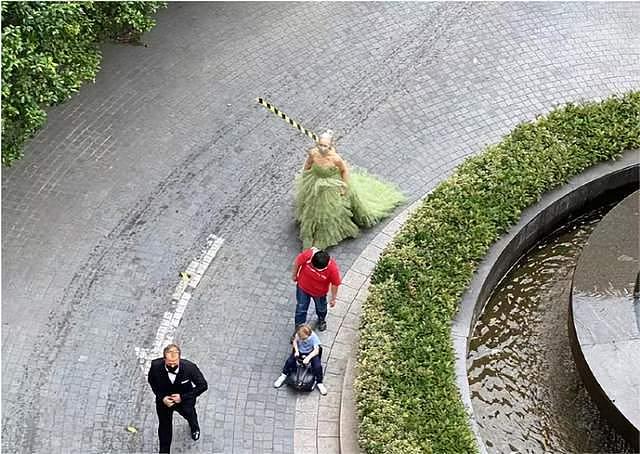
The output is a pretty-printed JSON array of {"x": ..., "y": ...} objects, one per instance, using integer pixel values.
[
  {"x": 363, "y": 266},
  {"x": 119, "y": 191},
  {"x": 348, "y": 334},
  {"x": 329, "y": 445},
  {"x": 328, "y": 428},
  {"x": 347, "y": 293},
  {"x": 306, "y": 420},
  {"x": 372, "y": 253},
  {"x": 354, "y": 279}
]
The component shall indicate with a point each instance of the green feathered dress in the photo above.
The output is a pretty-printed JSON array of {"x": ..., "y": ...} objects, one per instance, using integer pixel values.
[{"x": 326, "y": 216}]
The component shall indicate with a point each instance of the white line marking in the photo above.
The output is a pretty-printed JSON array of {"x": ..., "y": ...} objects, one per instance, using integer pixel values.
[{"x": 179, "y": 300}]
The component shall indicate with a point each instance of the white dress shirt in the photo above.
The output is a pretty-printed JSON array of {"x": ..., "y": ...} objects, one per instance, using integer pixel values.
[{"x": 172, "y": 375}]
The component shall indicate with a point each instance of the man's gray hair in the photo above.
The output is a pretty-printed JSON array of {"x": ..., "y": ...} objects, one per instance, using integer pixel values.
[{"x": 171, "y": 348}]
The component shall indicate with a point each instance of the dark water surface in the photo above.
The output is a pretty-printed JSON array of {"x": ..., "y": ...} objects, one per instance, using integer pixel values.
[{"x": 525, "y": 389}]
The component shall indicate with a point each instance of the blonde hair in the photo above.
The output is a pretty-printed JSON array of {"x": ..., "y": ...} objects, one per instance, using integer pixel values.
[
  {"x": 328, "y": 134},
  {"x": 304, "y": 330}
]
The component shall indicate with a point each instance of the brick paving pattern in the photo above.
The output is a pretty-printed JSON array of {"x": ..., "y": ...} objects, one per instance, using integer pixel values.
[{"x": 122, "y": 188}]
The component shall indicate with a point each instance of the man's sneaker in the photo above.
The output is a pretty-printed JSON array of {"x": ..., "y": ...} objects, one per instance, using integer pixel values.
[
  {"x": 322, "y": 389},
  {"x": 322, "y": 325},
  {"x": 278, "y": 383}
]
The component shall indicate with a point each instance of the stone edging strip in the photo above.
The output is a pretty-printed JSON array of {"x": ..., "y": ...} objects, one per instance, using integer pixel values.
[{"x": 328, "y": 424}]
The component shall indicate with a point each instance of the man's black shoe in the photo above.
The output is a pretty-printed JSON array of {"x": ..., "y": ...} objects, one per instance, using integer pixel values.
[
  {"x": 195, "y": 435},
  {"x": 322, "y": 325}
]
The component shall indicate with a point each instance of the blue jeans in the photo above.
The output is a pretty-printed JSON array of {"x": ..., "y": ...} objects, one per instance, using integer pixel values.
[{"x": 303, "y": 299}]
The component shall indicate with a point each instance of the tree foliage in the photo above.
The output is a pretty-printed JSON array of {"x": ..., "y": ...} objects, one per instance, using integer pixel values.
[{"x": 48, "y": 50}]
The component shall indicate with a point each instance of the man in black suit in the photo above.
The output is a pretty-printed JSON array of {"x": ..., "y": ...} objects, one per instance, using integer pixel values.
[{"x": 176, "y": 383}]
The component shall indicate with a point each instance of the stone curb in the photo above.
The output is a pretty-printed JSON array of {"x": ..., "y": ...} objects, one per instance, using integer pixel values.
[
  {"x": 328, "y": 424},
  {"x": 349, "y": 427}
]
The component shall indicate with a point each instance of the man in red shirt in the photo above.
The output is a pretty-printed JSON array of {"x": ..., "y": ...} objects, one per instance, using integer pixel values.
[{"x": 315, "y": 274}]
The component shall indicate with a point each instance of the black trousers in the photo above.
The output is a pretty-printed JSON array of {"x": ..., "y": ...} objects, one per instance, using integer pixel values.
[
  {"x": 165, "y": 421},
  {"x": 316, "y": 365}
]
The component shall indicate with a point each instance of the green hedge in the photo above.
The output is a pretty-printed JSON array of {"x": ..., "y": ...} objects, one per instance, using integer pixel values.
[
  {"x": 407, "y": 398},
  {"x": 48, "y": 50}
]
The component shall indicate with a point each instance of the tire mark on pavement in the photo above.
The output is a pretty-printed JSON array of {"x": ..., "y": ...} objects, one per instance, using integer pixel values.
[{"x": 180, "y": 299}]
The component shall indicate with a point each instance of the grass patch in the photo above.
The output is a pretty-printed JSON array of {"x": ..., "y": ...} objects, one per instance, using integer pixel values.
[{"x": 406, "y": 394}]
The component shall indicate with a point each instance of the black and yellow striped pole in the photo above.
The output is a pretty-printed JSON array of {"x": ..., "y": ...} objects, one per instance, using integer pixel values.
[{"x": 312, "y": 135}]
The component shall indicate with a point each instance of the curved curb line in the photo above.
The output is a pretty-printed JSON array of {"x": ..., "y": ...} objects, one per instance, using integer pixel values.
[
  {"x": 349, "y": 425},
  {"x": 325, "y": 424}
]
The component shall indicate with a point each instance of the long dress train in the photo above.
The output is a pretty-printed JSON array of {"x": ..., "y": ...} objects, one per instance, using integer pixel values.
[{"x": 329, "y": 211}]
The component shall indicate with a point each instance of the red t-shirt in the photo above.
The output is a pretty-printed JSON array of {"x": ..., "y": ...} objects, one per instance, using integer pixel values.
[{"x": 312, "y": 281}]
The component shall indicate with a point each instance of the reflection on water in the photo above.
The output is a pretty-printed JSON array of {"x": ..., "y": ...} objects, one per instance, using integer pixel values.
[{"x": 526, "y": 391}]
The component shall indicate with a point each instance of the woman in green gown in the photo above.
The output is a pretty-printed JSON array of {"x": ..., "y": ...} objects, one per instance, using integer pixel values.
[{"x": 333, "y": 203}]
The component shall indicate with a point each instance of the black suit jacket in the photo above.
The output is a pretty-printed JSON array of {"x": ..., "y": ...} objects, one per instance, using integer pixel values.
[{"x": 189, "y": 382}]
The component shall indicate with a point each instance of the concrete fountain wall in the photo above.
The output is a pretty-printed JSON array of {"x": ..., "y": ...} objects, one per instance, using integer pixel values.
[
  {"x": 604, "y": 326},
  {"x": 555, "y": 208}
]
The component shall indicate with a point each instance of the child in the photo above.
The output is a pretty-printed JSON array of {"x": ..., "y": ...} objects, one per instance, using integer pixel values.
[{"x": 306, "y": 345}]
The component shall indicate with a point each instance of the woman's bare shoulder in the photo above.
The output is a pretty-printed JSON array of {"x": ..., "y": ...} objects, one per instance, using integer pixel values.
[{"x": 337, "y": 159}]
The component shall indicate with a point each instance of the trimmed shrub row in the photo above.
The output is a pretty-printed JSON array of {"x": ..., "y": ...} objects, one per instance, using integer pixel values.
[
  {"x": 407, "y": 398},
  {"x": 49, "y": 49}
]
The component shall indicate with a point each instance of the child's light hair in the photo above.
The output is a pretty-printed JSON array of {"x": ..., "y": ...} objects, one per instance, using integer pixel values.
[{"x": 304, "y": 331}]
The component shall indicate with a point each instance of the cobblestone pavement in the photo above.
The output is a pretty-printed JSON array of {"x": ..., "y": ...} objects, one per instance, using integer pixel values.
[{"x": 121, "y": 189}]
